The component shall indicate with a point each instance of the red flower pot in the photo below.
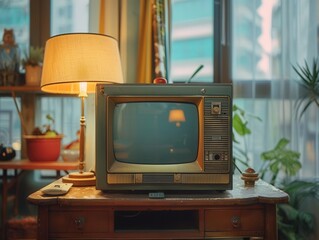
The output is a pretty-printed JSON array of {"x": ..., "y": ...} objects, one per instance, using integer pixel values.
[{"x": 43, "y": 148}]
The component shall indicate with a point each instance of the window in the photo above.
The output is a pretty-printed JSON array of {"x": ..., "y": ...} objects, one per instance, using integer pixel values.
[
  {"x": 66, "y": 16},
  {"x": 192, "y": 42},
  {"x": 10, "y": 132},
  {"x": 267, "y": 38},
  {"x": 69, "y": 16},
  {"x": 13, "y": 15}
]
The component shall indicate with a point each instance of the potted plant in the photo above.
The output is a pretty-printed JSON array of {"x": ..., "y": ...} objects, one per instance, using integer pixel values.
[
  {"x": 44, "y": 145},
  {"x": 32, "y": 62},
  {"x": 293, "y": 221},
  {"x": 310, "y": 82}
]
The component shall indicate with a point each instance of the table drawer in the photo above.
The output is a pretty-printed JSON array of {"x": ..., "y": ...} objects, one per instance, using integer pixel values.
[
  {"x": 238, "y": 219},
  {"x": 79, "y": 221}
]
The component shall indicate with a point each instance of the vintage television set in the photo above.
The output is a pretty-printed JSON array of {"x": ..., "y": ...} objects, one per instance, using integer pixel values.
[{"x": 159, "y": 137}]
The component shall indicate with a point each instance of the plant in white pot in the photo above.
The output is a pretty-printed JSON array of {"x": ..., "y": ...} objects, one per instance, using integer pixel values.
[{"x": 32, "y": 62}]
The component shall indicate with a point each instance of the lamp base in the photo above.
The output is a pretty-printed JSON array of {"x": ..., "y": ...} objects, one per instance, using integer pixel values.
[{"x": 80, "y": 179}]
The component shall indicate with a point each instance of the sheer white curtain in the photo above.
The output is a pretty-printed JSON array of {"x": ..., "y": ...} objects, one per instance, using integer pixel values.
[{"x": 268, "y": 37}]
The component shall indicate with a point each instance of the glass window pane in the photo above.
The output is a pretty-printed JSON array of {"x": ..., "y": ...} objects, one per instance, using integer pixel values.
[
  {"x": 255, "y": 38},
  {"x": 10, "y": 128},
  {"x": 14, "y": 14},
  {"x": 69, "y": 16},
  {"x": 65, "y": 112},
  {"x": 192, "y": 40}
]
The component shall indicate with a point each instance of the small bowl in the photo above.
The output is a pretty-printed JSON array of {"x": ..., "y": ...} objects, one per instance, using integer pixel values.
[
  {"x": 43, "y": 148},
  {"x": 70, "y": 155}
]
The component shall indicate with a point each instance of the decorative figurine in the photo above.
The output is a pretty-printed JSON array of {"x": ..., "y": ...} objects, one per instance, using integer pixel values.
[
  {"x": 6, "y": 153},
  {"x": 9, "y": 59},
  {"x": 249, "y": 177}
]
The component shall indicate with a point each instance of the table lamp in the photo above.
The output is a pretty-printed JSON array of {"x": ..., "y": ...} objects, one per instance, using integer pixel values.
[{"x": 74, "y": 64}]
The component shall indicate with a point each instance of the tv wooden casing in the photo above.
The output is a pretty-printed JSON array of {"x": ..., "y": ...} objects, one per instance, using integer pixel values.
[{"x": 212, "y": 169}]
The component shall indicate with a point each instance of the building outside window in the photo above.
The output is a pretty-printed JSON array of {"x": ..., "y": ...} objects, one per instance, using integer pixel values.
[{"x": 192, "y": 40}]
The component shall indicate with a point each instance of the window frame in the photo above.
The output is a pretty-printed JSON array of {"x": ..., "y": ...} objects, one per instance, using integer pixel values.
[
  {"x": 39, "y": 22},
  {"x": 222, "y": 43}
]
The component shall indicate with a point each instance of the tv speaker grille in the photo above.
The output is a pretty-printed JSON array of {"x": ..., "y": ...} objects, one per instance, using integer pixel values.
[{"x": 162, "y": 178}]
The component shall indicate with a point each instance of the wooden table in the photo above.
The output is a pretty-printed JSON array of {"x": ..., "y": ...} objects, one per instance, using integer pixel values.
[
  {"x": 19, "y": 166},
  {"x": 86, "y": 213}
]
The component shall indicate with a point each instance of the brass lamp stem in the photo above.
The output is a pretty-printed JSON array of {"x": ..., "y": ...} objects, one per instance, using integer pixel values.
[
  {"x": 81, "y": 178},
  {"x": 82, "y": 136}
]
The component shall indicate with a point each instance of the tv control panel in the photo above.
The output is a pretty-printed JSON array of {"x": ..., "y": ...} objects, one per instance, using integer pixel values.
[{"x": 217, "y": 134}]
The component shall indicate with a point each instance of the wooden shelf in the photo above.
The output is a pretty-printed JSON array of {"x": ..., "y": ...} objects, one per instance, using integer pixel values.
[
  {"x": 28, "y": 89},
  {"x": 25, "y": 164},
  {"x": 20, "y": 89}
]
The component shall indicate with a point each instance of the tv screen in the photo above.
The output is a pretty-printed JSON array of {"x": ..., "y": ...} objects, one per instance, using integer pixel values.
[{"x": 155, "y": 132}]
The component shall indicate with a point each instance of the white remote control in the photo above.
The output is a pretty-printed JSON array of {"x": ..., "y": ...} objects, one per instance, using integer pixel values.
[{"x": 57, "y": 188}]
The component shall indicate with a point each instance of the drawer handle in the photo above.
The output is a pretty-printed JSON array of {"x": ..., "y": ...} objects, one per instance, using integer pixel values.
[
  {"x": 79, "y": 222},
  {"x": 235, "y": 221}
]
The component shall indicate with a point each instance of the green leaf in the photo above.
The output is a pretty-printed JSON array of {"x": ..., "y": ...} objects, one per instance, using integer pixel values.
[
  {"x": 50, "y": 118},
  {"x": 239, "y": 126},
  {"x": 307, "y": 220},
  {"x": 288, "y": 212},
  {"x": 310, "y": 81},
  {"x": 281, "y": 159},
  {"x": 273, "y": 154},
  {"x": 239, "y": 110},
  {"x": 299, "y": 190}
]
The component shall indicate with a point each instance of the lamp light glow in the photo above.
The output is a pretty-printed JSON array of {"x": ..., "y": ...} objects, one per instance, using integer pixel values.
[{"x": 83, "y": 89}]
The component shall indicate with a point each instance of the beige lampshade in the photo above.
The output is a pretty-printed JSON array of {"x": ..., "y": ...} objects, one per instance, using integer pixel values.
[{"x": 80, "y": 57}]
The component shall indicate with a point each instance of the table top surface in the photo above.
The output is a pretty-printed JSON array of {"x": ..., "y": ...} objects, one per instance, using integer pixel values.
[
  {"x": 25, "y": 164},
  {"x": 262, "y": 192}
]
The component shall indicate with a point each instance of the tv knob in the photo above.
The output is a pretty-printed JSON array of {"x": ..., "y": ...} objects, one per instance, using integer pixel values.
[
  {"x": 216, "y": 108},
  {"x": 210, "y": 156},
  {"x": 138, "y": 178}
]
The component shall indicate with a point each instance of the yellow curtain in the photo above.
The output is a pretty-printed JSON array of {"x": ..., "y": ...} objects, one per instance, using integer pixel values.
[
  {"x": 152, "y": 61},
  {"x": 151, "y": 56},
  {"x": 145, "y": 66},
  {"x": 102, "y": 17},
  {"x": 160, "y": 32}
]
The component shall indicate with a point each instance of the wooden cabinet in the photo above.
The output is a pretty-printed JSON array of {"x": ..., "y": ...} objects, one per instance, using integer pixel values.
[
  {"x": 86, "y": 213},
  {"x": 77, "y": 221},
  {"x": 244, "y": 220}
]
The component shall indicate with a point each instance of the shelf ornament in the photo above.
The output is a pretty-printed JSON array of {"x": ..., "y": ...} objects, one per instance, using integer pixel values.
[{"x": 9, "y": 59}]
